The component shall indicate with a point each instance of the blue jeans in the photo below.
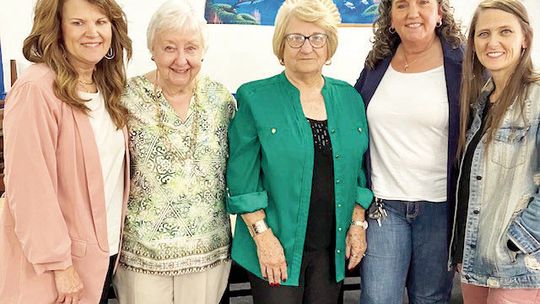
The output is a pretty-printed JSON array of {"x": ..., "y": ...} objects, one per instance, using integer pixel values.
[{"x": 408, "y": 251}]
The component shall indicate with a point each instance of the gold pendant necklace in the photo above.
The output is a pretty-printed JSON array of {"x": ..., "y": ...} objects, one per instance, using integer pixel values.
[{"x": 407, "y": 63}]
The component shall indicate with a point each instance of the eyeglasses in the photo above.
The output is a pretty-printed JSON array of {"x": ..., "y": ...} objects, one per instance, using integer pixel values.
[{"x": 296, "y": 41}]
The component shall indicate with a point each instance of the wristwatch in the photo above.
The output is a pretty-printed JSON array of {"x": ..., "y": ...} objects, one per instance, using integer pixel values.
[
  {"x": 258, "y": 227},
  {"x": 363, "y": 224}
]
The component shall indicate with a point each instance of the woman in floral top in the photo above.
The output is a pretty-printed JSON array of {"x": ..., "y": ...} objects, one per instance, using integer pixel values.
[{"x": 177, "y": 233}]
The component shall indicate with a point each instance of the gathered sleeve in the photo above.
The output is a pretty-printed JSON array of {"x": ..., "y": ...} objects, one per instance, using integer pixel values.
[
  {"x": 245, "y": 190},
  {"x": 31, "y": 129},
  {"x": 364, "y": 196}
]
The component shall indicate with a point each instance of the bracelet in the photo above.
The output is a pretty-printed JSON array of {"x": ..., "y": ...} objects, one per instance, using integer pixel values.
[
  {"x": 258, "y": 227},
  {"x": 363, "y": 224}
]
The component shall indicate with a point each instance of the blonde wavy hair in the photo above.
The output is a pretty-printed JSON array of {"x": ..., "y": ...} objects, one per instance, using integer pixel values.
[
  {"x": 475, "y": 75},
  {"x": 45, "y": 45},
  {"x": 385, "y": 42},
  {"x": 322, "y": 13}
]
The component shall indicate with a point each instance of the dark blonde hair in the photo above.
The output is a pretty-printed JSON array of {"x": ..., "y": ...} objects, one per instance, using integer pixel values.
[
  {"x": 385, "y": 42},
  {"x": 322, "y": 13},
  {"x": 45, "y": 45},
  {"x": 475, "y": 74}
]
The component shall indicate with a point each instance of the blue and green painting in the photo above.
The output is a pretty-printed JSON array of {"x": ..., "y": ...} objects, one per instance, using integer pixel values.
[{"x": 263, "y": 12}]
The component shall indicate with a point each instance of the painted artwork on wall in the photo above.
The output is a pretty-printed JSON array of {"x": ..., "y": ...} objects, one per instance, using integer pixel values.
[{"x": 263, "y": 12}]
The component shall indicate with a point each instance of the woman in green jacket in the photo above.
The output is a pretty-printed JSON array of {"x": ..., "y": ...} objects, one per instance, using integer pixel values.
[{"x": 295, "y": 171}]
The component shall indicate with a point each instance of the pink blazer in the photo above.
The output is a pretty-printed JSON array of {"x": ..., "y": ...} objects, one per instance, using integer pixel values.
[{"x": 54, "y": 215}]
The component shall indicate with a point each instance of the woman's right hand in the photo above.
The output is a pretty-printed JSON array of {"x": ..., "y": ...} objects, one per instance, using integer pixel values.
[
  {"x": 68, "y": 285},
  {"x": 271, "y": 257}
]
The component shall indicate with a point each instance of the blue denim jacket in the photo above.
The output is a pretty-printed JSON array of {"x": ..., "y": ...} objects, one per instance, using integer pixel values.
[{"x": 504, "y": 203}]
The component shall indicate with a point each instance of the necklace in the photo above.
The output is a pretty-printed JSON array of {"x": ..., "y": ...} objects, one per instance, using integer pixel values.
[
  {"x": 163, "y": 118},
  {"x": 88, "y": 87},
  {"x": 407, "y": 63},
  {"x": 86, "y": 83}
]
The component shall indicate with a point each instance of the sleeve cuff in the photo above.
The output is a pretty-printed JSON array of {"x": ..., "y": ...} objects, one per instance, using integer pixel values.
[
  {"x": 43, "y": 267},
  {"x": 523, "y": 239},
  {"x": 364, "y": 196},
  {"x": 247, "y": 203}
]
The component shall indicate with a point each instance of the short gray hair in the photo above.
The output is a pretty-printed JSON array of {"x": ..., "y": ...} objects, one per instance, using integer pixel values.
[{"x": 176, "y": 15}]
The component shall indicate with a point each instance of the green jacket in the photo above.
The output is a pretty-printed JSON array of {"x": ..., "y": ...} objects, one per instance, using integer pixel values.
[{"x": 271, "y": 166}]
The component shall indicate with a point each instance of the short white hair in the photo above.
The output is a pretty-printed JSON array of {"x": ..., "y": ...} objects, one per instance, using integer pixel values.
[{"x": 176, "y": 15}]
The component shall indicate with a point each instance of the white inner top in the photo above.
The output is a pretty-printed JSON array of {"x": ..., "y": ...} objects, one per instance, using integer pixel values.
[
  {"x": 111, "y": 149},
  {"x": 408, "y": 128}
]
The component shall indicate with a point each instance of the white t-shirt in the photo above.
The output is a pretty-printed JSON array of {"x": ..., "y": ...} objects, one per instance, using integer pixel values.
[
  {"x": 111, "y": 149},
  {"x": 408, "y": 128}
]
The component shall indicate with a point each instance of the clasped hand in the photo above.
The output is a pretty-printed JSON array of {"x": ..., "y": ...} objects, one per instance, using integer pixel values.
[{"x": 271, "y": 258}]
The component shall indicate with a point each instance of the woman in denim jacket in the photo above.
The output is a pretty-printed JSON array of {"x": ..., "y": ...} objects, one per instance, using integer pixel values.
[{"x": 496, "y": 237}]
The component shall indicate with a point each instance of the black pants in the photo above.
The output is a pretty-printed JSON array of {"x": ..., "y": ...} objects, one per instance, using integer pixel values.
[
  {"x": 317, "y": 283},
  {"x": 108, "y": 280}
]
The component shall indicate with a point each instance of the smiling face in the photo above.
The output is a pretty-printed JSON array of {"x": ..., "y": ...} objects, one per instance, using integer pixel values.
[
  {"x": 498, "y": 40},
  {"x": 87, "y": 33},
  {"x": 415, "y": 20},
  {"x": 306, "y": 59},
  {"x": 178, "y": 57}
]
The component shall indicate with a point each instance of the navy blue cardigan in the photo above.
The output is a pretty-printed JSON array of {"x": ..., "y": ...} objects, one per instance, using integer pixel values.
[{"x": 369, "y": 80}]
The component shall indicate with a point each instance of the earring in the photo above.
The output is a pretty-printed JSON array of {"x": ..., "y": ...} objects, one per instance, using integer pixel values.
[
  {"x": 281, "y": 62},
  {"x": 439, "y": 23},
  {"x": 329, "y": 62},
  {"x": 152, "y": 58},
  {"x": 392, "y": 30},
  {"x": 110, "y": 53},
  {"x": 202, "y": 59}
]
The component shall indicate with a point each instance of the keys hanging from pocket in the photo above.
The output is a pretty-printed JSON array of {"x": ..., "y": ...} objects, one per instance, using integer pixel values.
[{"x": 377, "y": 211}]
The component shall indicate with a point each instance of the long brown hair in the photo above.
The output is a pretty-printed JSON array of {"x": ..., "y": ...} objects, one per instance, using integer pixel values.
[
  {"x": 385, "y": 42},
  {"x": 475, "y": 74},
  {"x": 45, "y": 45}
]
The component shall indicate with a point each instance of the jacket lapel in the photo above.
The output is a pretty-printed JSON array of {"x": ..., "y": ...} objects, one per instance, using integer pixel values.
[{"x": 94, "y": 177}]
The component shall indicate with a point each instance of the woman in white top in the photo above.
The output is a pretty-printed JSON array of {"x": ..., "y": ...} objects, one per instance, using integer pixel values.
[{"x": 410, "y": 85}]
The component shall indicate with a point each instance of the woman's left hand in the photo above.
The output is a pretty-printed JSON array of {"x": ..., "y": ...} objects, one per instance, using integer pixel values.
[{"x": 356, "y": 245}]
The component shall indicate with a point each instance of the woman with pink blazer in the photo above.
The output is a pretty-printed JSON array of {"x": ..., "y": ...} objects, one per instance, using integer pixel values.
[{"x": 66, "y": 170}]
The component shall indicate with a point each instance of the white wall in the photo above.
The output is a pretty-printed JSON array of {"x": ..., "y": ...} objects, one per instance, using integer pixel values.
[{"x": 237, "y": 53}]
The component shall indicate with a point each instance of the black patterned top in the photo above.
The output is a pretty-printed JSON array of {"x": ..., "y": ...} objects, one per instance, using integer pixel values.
[{"x": 320, "y": 234}]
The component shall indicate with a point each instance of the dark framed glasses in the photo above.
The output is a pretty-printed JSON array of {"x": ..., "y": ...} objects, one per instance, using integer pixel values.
[{"x": 296, "y": 41}]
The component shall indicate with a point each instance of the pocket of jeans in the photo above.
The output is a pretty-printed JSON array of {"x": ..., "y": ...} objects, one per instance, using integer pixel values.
[{"x": 508, "y": 147}]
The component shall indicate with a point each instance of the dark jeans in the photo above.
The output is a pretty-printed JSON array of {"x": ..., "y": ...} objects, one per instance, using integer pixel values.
[
  {"x": 108, "y": 280},
  {"x": 408, "y": 251},
  {"x": 317, "y": 283}
]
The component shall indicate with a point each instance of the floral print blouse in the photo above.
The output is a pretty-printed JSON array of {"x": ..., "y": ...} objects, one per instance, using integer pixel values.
[{"x": 176, "y": 221}]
